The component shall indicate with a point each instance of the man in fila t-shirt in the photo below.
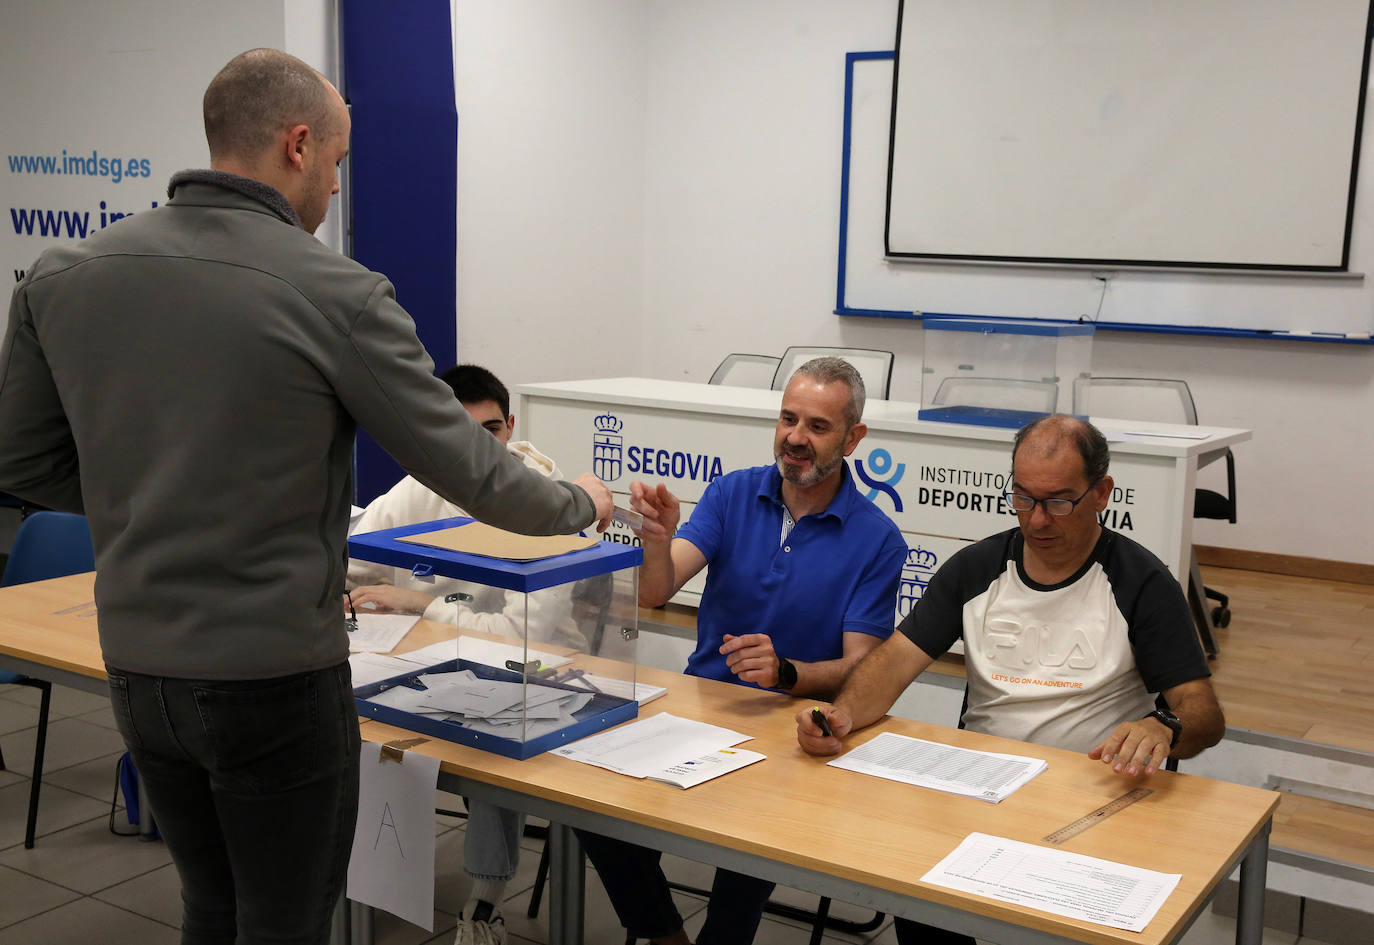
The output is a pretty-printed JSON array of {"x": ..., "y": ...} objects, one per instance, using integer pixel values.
[{"x": 1070, "y": 630}]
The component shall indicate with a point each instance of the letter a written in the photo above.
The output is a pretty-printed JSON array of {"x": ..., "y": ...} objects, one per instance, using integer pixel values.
[{"x": 389, "y": 823}]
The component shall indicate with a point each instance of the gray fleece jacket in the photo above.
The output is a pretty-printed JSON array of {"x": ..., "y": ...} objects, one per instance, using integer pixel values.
[{"x": 191, "y": 379}]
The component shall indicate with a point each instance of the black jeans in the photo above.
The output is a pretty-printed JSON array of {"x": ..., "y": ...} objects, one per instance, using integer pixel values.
[
  {"x": 639, "y": 892},
  {"x": 254, "y": 785}
]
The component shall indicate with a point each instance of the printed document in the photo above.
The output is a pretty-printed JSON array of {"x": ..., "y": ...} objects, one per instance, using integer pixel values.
[
  {"x": 663, "y": 747},
  {"x": 379, "y": 633},
  {"x": 982, "y": 774},
  {"x": 1067, "y": 884}
]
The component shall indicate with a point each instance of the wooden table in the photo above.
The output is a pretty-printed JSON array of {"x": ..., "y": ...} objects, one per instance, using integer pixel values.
[{"x": 792, "y": 818}]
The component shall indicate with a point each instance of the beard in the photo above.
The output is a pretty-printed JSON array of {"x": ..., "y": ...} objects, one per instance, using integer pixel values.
[{"x": 819, "y": 471}]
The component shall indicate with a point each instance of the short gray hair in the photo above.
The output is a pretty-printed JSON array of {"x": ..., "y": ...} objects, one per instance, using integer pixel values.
[
  {"x": 1086, "y": 438},
  {"x": 827, "y": 370},
  {"x": 256, "y": 95}
]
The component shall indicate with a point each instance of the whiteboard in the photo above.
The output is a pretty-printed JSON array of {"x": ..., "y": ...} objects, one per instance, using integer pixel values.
[
  {"x": 1166, "y": 133},
  {"x": 871, "y": 284}
]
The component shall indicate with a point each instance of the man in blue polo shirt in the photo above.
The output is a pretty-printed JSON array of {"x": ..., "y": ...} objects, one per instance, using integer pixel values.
[{"x": 802, "y": 584}]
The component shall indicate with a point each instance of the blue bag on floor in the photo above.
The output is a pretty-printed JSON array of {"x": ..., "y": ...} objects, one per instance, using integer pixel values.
[{"x": 126, "y": 783}]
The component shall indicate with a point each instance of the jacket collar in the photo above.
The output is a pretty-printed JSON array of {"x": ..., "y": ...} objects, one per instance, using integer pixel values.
[{"x": 269, "y": 197}]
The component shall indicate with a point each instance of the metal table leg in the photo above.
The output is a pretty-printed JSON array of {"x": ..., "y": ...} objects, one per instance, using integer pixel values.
[
  {"x": 1250, "y": 909},
  {"x": 566, "y": 875}
]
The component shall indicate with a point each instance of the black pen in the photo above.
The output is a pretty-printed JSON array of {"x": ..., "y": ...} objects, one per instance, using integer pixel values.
[
  {"x": 351, "y": 623},
  {"x": 821, "y": 721}
]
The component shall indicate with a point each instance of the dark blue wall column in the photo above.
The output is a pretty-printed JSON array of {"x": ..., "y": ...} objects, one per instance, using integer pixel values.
[{"x": 398, "y": 80}]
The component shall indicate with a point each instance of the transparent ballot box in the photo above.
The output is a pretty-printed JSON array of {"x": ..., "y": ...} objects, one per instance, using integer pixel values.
[
  {"x": 1003, "y": 372},
  {"x": 512, "y": 656}
]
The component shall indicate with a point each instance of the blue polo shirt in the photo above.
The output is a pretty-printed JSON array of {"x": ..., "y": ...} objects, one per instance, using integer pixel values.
[{"x": 836, "y": 572}]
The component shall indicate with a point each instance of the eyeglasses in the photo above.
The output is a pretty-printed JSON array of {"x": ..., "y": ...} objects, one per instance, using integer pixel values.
[{"x": 1056, "y": 506}]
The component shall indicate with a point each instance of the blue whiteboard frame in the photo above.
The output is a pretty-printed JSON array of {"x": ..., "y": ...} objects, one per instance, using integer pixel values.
[{"x": 845, "y": 310}]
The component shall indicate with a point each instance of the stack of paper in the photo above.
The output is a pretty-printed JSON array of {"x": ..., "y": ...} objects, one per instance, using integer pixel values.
[
  {"x": 665, "y": 748},
  {"x": 1057, "y": 881},
  {"x": 379, "y": 633},
  {"x": 493, "y": 706},
  {"x": 982, "y": 774}
]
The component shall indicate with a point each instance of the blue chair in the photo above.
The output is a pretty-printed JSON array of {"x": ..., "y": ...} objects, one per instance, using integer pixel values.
[{"x": 47, "y": 545}]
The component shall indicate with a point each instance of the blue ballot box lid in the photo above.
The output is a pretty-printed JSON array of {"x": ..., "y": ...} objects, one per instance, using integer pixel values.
[
  {"x": 1006, "y": 326},
  {"x": 383, "y": 547}
]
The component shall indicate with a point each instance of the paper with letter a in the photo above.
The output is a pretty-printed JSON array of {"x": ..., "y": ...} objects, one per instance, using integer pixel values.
[
  {"x": 392, "y": 866},
  {"x": 1067, "y": 884},
  {"x": 985, "y": 775}
]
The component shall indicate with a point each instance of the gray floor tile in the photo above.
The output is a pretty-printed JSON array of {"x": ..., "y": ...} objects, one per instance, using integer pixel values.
[
  {"x": 66, "y": 701},
  {"x": 58, "y": 809},
  {"x": 15, "y": 716},
  {"x": 103, "y": 716},
  {"x": 94, "y": 778},
  {"x": 27, "y": 896},
  {"x": 9, "y": 777},
  {"x": 70, "y": 742},
  {"x": 87, "y": 920},
  {"x": 155, "y": 895},
  {"x": 389, "y": 930},
  {"x": 87, "y": 857}
]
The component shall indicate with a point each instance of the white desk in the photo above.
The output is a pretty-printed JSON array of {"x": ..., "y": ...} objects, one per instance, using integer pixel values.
[{"x": 940, "y": 482}]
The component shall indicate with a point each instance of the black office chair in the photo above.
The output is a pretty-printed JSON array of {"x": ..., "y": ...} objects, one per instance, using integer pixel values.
[
  {"x": 1169, "y": 400},
  {"x": 47, "y": 545}
]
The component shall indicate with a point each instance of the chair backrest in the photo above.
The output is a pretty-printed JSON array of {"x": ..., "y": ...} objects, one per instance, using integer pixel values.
[
  {"x": 1157, "y": 399},
  {"x": 875, "y": 367},
  {"x": 49, "y": 545},
  {"x": 998, "y": 393},
  {"x": 746, "y": 370}
]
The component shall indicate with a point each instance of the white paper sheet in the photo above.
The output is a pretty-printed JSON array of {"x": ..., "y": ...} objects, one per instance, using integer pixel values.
[
  {"x": 620, "y": 688},
  {"x": 1056, "y": 881},
  {"x": 987, "y": 776},
  {"x": 644, "y": 748},
  {"x": 703, "y": 768},
  {"x": 379, "y": 633},
  {"x": 392, "y": 866},
  {"x": 369, "y": 668}
]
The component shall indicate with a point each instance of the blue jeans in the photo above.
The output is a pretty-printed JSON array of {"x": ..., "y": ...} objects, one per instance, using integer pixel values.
[
  {"x": 639, "y": 892},
  {"x": 491, "y": 848},
  {"x": 254, "y": 785}
]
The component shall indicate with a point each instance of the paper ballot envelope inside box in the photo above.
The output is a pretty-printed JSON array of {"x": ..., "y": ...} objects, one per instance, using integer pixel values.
[{"x": 527, "y": 625}]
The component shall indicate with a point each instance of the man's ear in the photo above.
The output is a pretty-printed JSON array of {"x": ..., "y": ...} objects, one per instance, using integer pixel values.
[
  {"x": 856, "y": 433},
  {"x": 295, "y": 143},
  {"x": 510, "y": 423},
  {"x": 1102, "y": 492}
]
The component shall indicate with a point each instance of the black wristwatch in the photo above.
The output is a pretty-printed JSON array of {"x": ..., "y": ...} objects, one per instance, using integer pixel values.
[
  {"x": 787, "y": 673},
  {"x": 1165, "y": 717}
]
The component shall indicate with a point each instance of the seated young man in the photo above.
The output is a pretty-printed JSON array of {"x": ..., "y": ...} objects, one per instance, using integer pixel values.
[
  {"x": 489, "y": 610},
  {"x": 1058, "y": 600},
  {"x": 491, "y": 849}
]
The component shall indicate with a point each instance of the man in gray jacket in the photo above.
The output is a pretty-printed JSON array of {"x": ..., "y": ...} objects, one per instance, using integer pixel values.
[{"x": 191, "y": 379}]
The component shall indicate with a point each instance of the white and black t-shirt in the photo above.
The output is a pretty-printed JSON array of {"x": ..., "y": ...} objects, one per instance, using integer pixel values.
[{"x": 1059, "y": 665}]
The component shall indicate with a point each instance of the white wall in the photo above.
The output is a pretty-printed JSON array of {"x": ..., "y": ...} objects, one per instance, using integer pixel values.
[
  {"x": 645, "y": 187},
  {"x": 551, "y": 106}
]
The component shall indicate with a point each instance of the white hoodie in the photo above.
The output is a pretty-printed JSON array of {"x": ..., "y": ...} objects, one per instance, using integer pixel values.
[{"x": 547, "y": 613}]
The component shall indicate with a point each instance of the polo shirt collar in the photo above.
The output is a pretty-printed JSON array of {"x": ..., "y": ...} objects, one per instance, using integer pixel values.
[{"x": 840, "y": 506}]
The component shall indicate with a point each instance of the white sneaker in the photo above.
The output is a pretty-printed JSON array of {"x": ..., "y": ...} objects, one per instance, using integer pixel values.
[{"x": 480, "y": 924}]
